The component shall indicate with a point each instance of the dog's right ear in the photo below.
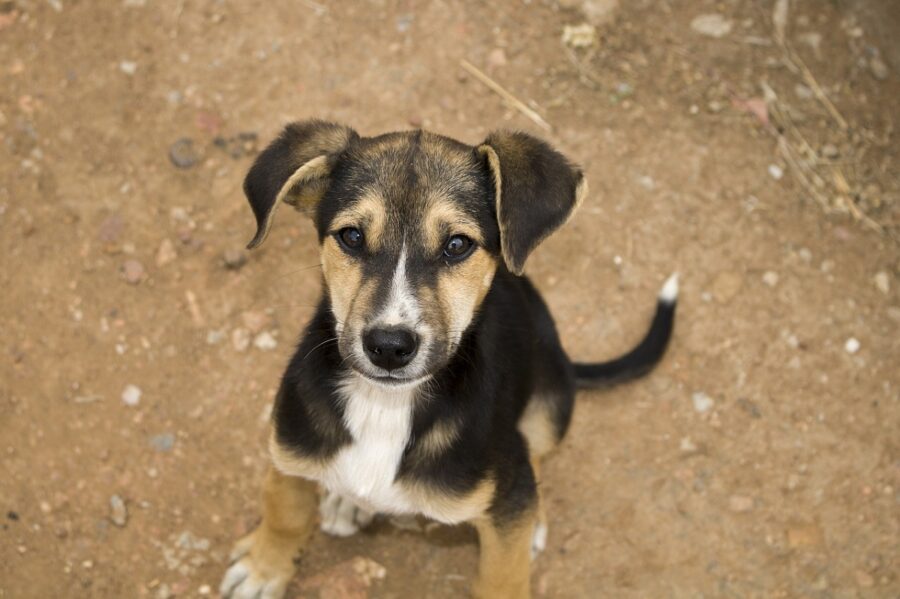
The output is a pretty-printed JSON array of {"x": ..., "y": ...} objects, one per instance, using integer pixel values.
[{"x": 295, "y": 169}]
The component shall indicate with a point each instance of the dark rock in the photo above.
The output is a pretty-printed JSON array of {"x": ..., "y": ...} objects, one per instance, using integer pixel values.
[
  {"x": 183, "y": 154},
  {"x": 234, "y": 258}
]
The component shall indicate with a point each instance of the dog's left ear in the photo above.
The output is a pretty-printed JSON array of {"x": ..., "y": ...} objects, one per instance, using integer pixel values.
[
  {"x": 537, "y": 189},
  {"x": 294, "y": 169}
]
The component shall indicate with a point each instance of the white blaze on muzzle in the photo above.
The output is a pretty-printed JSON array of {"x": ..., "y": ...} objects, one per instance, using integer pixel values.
[{"x": 402, "y": 307}]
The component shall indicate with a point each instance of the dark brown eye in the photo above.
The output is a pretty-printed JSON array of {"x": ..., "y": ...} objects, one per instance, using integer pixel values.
[
  {"x": 458, "y": 248},
  {"x": 350, "y": 237}
]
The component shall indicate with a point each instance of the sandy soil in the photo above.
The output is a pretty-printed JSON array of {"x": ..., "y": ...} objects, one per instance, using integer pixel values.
[{"x": 762, "y": 459}]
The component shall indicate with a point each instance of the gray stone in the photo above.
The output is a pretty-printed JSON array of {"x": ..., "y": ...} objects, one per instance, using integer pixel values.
[
  {"x": 118, "y": 513},
  {"x": 163, "y": 442},
  {"x": 183, "y": 154}
]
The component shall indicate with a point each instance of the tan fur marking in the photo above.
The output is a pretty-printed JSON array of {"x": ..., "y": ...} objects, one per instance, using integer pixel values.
[
  {"x": 343, "y": 276},
  {"x": 504, "y": 561},
  {"x": 494, "y": 164},
  {"x": 462, "y": 288},
  {"x": 290, "y": 464},
  {"x": 267, "y": 554},
  {"x": 440, "y": 506},
  {"x": 315, "y": 169},
  {"x": 369, "y": 214},
  {"x": 328, "y": 139},
  {"x": 536, "y": 424},
  {"x": 437, "y": 440},
  {"x": 581, "y": 191},
  {"x": 541, "y": 509},
  {"x": 443, "y": 217},
  {"x": 446, "y": 153}
]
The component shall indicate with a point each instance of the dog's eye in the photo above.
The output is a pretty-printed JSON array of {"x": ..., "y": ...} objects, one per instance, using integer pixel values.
[
  {"x": 458, "y": 248},
  {"x": 350, "y": 238}
]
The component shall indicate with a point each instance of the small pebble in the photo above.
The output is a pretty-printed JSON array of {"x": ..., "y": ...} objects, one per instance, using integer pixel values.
[
  {"x": 404, "y": 22},
  {"x": 770, "y": 278},
  {"x": 163, "y": 442},
  {"x": 133, "y": 272},
  {"x": 580, "y": 36},
  {"x": 183, "y": 154},
  {"x": 830, "y": 151},
  {"x": 166, "y": 253},
  {"x": 240, "y": 339},
  {"x": 687, "y": 445},
  {"x": 776, "y": 172},
  {"x": 878, "y": 67},
  {"x": 598, "y": 12},
  {"x": 265, "y": 341},
  {"x": 647, "y": 182},
  {"x": 111, "y": 228},
  {"x": 204, "y": 590},
  {"x": 215, "y": 337},
  {"x": 883, "y": 282},
  {"x": 129, "y": 67},
  {"x": 234, "y": 258},
  {"x": 712, "y": 25},
  {"x": 118, "y": 513},
  {"x": 740, "y": 503},
  {"x": 851, "y": 346},
  {"x": 702, "y": 402},
  {"x": 131, "y": 396}
]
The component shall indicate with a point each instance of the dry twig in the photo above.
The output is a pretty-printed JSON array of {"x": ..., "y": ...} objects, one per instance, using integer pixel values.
[{"x": 510, "y": 99}]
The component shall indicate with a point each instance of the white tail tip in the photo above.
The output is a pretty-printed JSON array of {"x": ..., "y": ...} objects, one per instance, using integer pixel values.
[{"x": 669, "y": 291}]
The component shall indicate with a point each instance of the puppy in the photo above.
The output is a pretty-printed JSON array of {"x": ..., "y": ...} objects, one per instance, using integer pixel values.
[{"x": 431, "y": 379}]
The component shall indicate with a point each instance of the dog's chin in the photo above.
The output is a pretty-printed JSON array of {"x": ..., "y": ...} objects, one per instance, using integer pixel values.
[{"x": 395, "y": 383}]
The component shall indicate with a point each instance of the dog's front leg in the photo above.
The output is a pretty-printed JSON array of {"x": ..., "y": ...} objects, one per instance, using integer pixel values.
[
  {"x": 504, "y": 567},
  {"x": 264, "y": 559}
]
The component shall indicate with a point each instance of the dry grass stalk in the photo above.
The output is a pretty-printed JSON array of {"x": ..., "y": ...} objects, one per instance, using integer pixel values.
[{"x": 510, "y": 99}]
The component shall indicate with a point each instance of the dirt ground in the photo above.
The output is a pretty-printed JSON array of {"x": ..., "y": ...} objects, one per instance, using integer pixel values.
[{"x": 140, "y": 353}]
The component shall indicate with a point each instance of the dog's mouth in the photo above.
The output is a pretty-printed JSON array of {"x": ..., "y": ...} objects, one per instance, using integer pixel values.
[{"x": 392, "y": 380}]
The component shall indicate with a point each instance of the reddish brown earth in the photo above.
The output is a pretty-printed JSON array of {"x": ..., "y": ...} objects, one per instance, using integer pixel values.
[{"x": 784, "y": 483}]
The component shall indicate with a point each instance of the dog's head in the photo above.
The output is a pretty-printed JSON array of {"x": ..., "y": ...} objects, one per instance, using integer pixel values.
[{"x": 412, "y": 228}]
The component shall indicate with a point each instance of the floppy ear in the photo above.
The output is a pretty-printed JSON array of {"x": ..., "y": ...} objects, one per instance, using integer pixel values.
[
  {"x": 537, "y": 189},
  {"x": 294, "y": 169}
]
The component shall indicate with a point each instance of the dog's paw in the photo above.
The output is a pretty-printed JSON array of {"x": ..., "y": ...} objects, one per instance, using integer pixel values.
[
  {"x": 341, "y": 517},
  {"x": 538, "y": 539},
  {"x": 259, "y": 571}
]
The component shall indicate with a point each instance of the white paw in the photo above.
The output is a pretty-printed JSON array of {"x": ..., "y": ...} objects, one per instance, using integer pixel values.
[
  {"x": 341, "y": 517},
  {"x": 260, "y": 569},
  {"x": 538, "y": 539},
  {"x": 244, "y": 581}
]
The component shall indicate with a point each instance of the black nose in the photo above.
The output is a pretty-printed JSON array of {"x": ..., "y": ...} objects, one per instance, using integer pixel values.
[{"x": 390, "y": 348}]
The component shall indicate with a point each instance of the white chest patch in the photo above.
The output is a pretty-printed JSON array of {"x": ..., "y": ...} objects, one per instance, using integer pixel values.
[{"x": 379, "y": 420}]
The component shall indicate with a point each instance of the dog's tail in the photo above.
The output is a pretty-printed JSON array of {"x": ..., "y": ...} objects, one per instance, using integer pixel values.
[{"x": 645, "y": 356}]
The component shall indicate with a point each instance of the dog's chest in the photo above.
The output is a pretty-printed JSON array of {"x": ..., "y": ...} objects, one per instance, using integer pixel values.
[{"x": 379, "y": 421}]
